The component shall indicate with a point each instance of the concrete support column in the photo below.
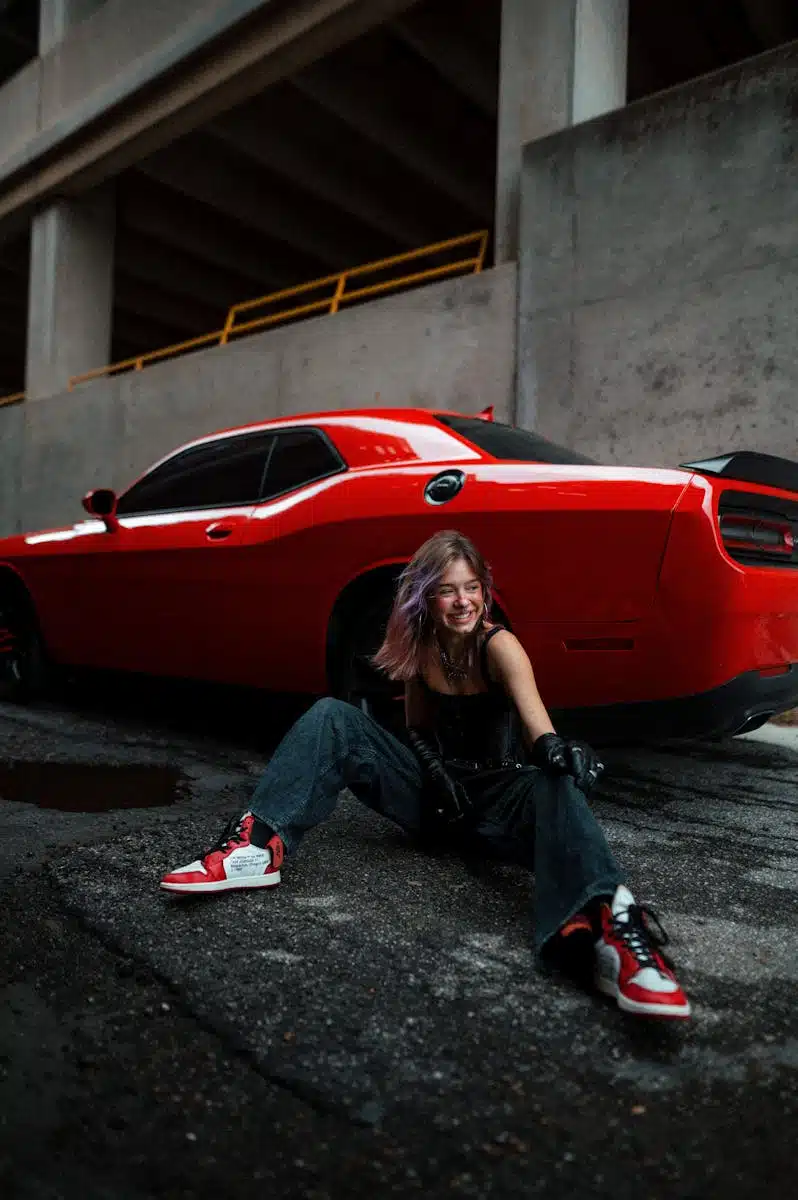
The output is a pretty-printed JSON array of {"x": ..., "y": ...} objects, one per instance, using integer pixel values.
[
  {"x": 71, "y": 291},
  {"x": 562, "y": 61},
  {"x": 70, "y": 295}
]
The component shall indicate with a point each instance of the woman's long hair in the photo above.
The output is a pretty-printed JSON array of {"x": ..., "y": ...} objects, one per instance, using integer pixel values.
[{"x": 409, "y": 626}]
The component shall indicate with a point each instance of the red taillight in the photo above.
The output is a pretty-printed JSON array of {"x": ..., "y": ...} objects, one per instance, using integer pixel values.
[{"x": 752, "y": 533}]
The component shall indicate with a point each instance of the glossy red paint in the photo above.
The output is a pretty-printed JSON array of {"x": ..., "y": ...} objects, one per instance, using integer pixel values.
[{"x": 616, "y": 579}]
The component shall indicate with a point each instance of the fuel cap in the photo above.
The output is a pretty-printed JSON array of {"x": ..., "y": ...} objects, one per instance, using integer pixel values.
[{"x": 444, "y": 486}]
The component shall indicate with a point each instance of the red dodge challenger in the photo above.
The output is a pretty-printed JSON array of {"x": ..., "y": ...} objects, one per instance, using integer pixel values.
[{"x": 652, "y": 602}]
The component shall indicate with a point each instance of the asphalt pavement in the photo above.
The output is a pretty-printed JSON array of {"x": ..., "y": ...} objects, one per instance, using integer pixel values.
[{"x": 376, "y": 1025}]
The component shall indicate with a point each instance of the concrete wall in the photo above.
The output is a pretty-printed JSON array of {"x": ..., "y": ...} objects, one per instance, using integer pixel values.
[
  {"x": 659, "y": 273},
  {"x": 449, "y": 345}
]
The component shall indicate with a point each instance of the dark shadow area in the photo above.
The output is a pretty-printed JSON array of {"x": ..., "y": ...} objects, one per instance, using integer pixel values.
[
  {"x": 85, "y": 787},
  {"x": 248, "y": 717}
]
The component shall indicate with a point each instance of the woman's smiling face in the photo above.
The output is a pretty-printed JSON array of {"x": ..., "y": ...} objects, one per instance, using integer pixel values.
[{"x": 457, "y": 602}]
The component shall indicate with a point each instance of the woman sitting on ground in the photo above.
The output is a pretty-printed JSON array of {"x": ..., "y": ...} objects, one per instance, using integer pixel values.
[{"x": 474, "y": 720}]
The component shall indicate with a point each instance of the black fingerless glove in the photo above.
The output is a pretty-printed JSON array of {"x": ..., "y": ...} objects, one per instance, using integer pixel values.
[
  {"x": 560, "y": 757},
  {"x": 450, "y": 803}
]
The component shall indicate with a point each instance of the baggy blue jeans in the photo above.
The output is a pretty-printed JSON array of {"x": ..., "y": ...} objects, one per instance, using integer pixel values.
[{"x": 540, "y": 821}]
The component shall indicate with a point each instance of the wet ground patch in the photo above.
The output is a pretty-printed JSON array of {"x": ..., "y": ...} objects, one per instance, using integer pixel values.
[{"x": 87, "y": 787}]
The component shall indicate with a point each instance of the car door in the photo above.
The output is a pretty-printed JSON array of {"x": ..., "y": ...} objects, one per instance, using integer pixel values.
[
  {"x": 159, "y": 593},
  {"x": 284, "y": 551}
]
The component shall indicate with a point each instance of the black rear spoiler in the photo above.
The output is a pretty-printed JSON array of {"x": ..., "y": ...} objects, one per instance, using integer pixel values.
[{"x": 746, "y": 466}]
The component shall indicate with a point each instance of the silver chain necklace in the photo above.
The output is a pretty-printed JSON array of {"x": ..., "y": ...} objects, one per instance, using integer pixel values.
[{"x": 453, "y": 672}]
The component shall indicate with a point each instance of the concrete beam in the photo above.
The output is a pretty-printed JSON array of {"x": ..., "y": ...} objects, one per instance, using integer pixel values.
[
  {"x": 292, "y": 149},
  {"x": 348, "y": 92},
  {"x": 205, "y": 169},
  {"x": 439, "y": 36},
  {"x": 178, "y": 88},
  {"x": 174, "y": 220}
]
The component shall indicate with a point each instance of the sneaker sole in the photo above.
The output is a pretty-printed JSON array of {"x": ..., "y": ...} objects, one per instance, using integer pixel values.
[
  {"x": 224, "y": 885},
  {"x": 675, "y": 1012}
]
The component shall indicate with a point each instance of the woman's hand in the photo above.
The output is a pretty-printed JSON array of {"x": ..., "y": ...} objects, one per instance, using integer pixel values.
[
  {"x": 555, "y": 754},
  {"x": 449, "y": 800}
]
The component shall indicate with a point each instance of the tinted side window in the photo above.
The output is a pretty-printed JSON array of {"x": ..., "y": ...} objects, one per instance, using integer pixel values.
[
  {"x": 301, "y": 456},
  {"x": 214, "y": 475},
  {"x": 508, "y": 442}
]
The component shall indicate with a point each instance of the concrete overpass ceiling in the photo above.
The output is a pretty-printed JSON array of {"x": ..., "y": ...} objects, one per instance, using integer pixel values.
[
  {"x": 670, "y": 43},
  {"x": 303, "y": 142},
  {"x": 169, "y": 217},
  {"x": 14, "y": 257},
  {"x": 386, "y": 144}
]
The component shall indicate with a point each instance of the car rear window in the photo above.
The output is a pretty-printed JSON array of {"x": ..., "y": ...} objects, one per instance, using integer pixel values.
[{"x": 510, "y": 443}]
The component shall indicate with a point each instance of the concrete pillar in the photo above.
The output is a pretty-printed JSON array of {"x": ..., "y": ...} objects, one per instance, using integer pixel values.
[
  {"x": 562, "y": 61},
  {"x": 71, "y": 291},
  {"x": 57, "y": 16},
  {"x": 70, "y": 295}
]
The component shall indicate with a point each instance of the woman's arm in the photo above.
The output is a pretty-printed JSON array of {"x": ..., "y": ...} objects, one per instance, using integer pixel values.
[{"x": 508, "y": 663}]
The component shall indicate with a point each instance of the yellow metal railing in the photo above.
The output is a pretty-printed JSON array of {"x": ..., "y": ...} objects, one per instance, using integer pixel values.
[
  {"x": 339, "y": 290},
  {"x": 14, "y": 398}
]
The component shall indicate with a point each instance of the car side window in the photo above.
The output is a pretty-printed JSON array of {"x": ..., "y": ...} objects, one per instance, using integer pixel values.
[
  {"x": 217, "y": 474},
  {"x": 300, "y": 457}
]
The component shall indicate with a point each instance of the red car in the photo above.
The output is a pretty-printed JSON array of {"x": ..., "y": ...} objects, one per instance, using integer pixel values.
[{"x": 652, "y": 602}]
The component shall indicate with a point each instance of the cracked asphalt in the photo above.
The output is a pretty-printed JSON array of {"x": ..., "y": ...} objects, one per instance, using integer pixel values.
[{"x": 376, "y": 1025}]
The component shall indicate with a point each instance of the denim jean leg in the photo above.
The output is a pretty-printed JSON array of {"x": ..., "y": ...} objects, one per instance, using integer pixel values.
[
  {"x": 331, "y": 747},
  {"x": 573, "y": 863}
]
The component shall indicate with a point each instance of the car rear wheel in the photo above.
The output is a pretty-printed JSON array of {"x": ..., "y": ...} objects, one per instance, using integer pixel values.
[
  {"x": 355, "y": 679},
  {"x": 23, "y": 662}
]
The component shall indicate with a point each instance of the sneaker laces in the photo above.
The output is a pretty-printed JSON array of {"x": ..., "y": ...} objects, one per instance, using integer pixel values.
[
  {"x": 641, "y": 930},
  {"x": 230, "y": 835}
]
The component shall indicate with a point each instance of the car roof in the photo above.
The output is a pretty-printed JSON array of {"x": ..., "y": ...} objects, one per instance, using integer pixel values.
[
  {"x": 369, "y": 437},
  {"x": 332, "y": 417}
]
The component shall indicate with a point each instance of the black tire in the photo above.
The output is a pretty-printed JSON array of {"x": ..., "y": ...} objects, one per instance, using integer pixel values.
[
  {"x": 355, "y": 679},
  {"x": 24, "y": 669}
]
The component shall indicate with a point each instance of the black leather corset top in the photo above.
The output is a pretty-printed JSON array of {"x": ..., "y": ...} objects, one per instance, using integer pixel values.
[{"x": 481, "y": 730}]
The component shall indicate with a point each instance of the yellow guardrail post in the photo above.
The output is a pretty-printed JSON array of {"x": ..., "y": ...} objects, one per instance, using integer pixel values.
[
  {"x": 339, "y": 292},
  {"x": 483, "y": 249},
  {"x": 330, "y": 304},
  {"x": 228, "y": 325}
]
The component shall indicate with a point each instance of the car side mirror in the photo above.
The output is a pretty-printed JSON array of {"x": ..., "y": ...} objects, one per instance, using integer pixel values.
[{"x": 101, "y": 502}]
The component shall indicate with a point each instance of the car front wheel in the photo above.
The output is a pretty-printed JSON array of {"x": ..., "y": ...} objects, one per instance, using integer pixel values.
[{"x": 23, "y": 663}]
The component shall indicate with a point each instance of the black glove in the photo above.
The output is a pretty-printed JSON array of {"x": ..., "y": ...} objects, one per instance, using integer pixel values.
[
  {"x": 561, "y": 757},
  {"x": 450, "y": 803}
]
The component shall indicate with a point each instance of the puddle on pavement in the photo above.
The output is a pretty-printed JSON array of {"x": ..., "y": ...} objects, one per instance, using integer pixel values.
[{"x": 81, "y": 787}]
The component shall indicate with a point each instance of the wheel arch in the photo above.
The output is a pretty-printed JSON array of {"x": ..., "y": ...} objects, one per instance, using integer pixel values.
[
  {"x": 12, "y": 584},
  {"x": 371, "y": 585}
]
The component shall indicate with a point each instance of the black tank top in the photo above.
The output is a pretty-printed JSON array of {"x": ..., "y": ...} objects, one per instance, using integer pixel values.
[{"x": 480, "y": 731}]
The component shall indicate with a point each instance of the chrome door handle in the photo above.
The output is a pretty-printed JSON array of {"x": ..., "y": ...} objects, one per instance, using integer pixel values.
[{"x": 217, "y": 531}]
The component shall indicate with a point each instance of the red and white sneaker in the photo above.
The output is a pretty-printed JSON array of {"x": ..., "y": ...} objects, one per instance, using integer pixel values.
[
  {"x": 235, "y": 861},
  {"x": 630, "y": 965}
]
